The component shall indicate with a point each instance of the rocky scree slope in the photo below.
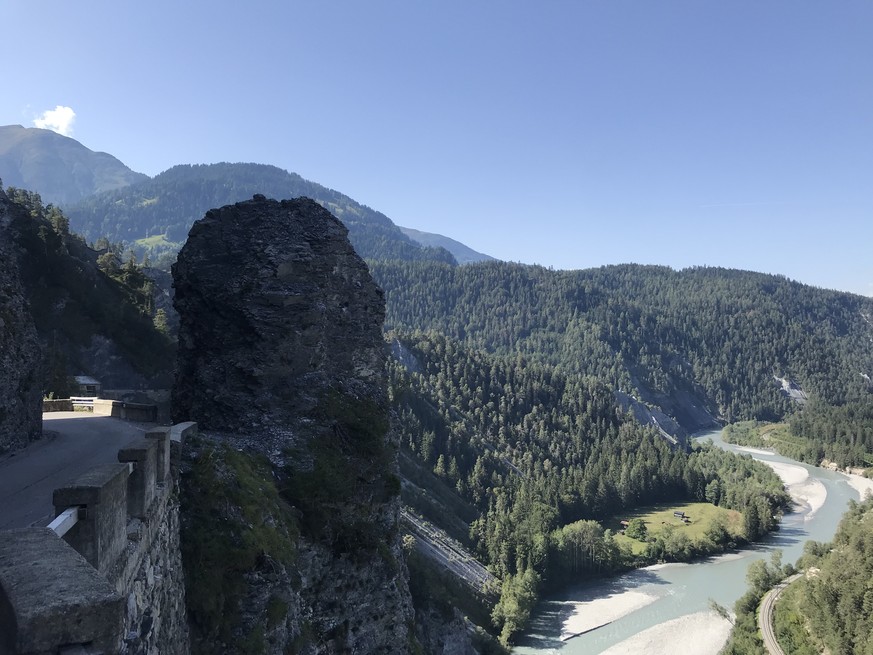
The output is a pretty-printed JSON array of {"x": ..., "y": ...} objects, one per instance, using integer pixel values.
[{"x": 290, "y": 497}]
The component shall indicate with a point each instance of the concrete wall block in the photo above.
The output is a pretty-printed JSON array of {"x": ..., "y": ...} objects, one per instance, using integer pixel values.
[
  {"x": 104, "y": 407},
  {"x": 182, "y": 431},
  {"x": 178, "y": 434},
  {"x": 162, "y": 438},
  {"x": 141, "y": 483},
  {"x": 51, "y": 597},
  {"x": 140, "y": 412},
  {"x": 102, "y": 534}
]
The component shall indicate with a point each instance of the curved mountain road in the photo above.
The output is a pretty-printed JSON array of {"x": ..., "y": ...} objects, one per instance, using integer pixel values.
[
  {"x": 765, "y": 615},
  {"x": 72, "y": 443}
]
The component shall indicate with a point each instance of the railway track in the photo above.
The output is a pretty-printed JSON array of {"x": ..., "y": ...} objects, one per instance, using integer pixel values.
[
  {"x": 765, "y": 615},
  {"x": 437, "y": 545}
]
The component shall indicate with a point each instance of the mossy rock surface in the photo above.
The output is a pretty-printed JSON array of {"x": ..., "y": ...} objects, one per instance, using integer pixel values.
[{"x": 235, "y": 522}]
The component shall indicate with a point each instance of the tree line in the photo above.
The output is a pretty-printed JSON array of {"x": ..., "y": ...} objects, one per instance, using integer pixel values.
[{"x": 839, "y": 434}]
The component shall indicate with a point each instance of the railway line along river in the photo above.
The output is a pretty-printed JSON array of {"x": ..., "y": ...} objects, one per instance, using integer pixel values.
[{"x": 666, "y": 608}]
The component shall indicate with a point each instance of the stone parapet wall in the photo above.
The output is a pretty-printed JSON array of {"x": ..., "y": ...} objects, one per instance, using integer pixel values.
[
  {"x": 51, "y": 596},
  {"x": 57, "y": 405},
  {"x": 117, "y": 571},
  {"x": 152, "y": 583},
  {"x": 105, "y": 407},
  {"x": 124, "y": 410}
]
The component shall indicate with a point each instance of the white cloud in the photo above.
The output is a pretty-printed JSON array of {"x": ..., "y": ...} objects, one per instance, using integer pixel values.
[{"x": 60, "y": 120}]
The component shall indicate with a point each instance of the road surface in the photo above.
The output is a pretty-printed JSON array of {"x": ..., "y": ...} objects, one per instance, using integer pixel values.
[
  {"x": 765, "y": 615},
  {"x": 73, "y": 443}
]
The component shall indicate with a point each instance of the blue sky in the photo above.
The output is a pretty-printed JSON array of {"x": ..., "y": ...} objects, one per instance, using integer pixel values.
[{"x": 569, "y": 134}]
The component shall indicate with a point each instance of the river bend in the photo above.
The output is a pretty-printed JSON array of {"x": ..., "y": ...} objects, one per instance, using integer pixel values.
[{"x": 666, "y": 608}]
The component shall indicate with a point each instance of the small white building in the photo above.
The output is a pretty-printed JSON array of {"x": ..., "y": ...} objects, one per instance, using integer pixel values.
[{"x": 87, "y": 386}]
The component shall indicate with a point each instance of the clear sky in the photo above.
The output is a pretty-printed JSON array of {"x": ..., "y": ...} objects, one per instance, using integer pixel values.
[{"x": 569, "y": 134}]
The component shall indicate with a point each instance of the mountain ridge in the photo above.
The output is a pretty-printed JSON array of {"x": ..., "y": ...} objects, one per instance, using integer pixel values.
[
  {"x": 59, "y": 168},
  {"x": 155, "y": 215},
  {"x": 463, "y": 253}
]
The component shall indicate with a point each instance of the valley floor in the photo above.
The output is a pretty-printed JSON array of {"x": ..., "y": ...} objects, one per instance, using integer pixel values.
[{"x": 702, "y": 633}]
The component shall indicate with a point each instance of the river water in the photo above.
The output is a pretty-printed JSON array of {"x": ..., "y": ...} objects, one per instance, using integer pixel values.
[{"x": 665, "y": 593}]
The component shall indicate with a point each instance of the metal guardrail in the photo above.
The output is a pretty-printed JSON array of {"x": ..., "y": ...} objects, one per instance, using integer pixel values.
[{"x": 65, "y": 521}]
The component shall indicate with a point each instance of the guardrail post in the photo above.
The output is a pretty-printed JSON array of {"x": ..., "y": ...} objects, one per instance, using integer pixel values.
[
  {"x": 178, "y": 434},
  {"x": 141, "y": 483},
  {"x": 106, "y": 407},
  {"x": 161, "y": 436},
  {"x": 101, "y": 534}
]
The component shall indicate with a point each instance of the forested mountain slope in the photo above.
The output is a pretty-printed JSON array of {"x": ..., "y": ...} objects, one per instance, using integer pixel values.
[
  {"x": 700, "y": 343},
  {"x": 541, "y": 463},
  {"x": 505, "y": 380},
  {"x": 828, "y": 608},
  {"x": 94, "y": 314},
  {"x": 155, "y": 215},
  {"x": 836, "y": 598}
]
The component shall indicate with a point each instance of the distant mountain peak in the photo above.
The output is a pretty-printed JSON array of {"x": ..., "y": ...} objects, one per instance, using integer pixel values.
[
  {"x": 58, "y": 167},
  {"x": 464, "y": 254}
]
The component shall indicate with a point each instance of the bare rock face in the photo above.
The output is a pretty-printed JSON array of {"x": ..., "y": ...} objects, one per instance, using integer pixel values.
[
  {"x": 20, "y": 352},
  {"x": 275, "y": 307},
  {"x": 290, "y": 502}
]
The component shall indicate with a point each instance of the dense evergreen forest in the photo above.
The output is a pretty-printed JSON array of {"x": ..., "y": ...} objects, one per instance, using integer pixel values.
[
  {"x": 538, "y": 460},
  {"x": 505, "y": 381},
  {"x": 836, "y": 598},
  {"x": 700, "y": 343},
  {"x": 79, "y": 295}
]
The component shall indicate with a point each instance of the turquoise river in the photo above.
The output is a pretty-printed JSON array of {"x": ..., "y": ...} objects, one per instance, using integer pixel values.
[{"x": 667, "y": 593}]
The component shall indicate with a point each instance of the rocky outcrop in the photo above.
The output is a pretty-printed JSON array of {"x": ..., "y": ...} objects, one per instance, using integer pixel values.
[
  {"x": 20, "y": 353},
  {"x": 290, "y": 501},
  {"x": 444, "y": 632},
  {"x": 276, "y": 307}
]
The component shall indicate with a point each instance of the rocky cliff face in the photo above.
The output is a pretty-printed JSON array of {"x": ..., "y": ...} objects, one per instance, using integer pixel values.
[
  {"x": 291, "y": 497},
  {"x": 20, "y": 354}
]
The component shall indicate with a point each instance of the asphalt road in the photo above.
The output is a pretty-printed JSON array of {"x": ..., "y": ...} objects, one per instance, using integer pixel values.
[{"x": 73, "y": 443}]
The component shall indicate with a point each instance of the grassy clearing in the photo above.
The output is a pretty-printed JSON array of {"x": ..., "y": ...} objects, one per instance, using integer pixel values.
[
  {"x": 660, "y": 518},
  {"x": 761, "y": 435},
  {"x": 156, "y": 241},
  {"x": 775, "y": 431}
]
